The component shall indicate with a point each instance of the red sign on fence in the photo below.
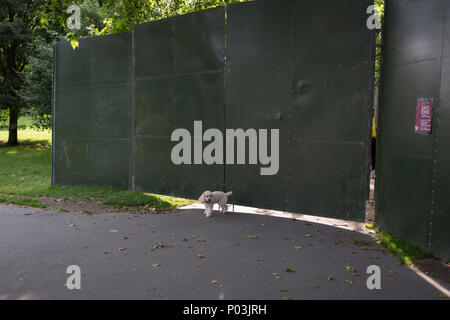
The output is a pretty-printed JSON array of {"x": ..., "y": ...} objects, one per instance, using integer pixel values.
[{"x": 424, "y": 113}]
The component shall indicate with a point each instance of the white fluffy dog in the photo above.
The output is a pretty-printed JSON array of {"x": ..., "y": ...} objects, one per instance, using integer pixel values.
[{"x": 209, "y": 198}]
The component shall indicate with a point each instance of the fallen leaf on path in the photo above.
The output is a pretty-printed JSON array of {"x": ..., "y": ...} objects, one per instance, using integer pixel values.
[
  {"x": 276, "y": 275},
  {"x": 159, "y": 245},
  {"x": 349, "y": 268}
]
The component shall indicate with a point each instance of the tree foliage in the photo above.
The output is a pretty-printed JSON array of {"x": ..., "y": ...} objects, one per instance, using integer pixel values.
[
  {"x": 19, "y": 25},
  {"x": 123, "y": 15},
  {"x": 37, "y": 89},
  {"x": 380, "y": 7}
]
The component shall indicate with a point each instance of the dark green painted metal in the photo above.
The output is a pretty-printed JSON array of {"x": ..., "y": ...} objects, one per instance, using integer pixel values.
[
  {"x": 311, "y": 79},
  {"x": 92, "y": 111},
  {"x": 257, "y": 93},
  {"x": 119, "y": 98},
  {"x": 178, "y": 79},
  {"x": 412, "y": 188}
]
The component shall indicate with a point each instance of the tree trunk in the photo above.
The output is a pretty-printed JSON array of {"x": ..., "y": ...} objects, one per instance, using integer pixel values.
[{"x": 13, "y": 117}]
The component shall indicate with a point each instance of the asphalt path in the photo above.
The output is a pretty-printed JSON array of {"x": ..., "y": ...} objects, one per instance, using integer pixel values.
[{"x": 183, "y": 255}]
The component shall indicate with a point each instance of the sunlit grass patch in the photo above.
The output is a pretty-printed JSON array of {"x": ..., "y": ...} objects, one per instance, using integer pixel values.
[
  {"x": 134, "y": 198},
  {"x": 403, "y": 250},
  {"x": 28, "y": 135}
]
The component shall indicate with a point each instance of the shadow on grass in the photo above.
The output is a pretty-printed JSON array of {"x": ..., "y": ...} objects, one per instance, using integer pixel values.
[{"x": 28, "y": 143}]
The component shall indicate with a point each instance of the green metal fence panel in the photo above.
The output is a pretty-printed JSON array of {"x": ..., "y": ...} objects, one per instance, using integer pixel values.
[
  {"x": 92, "y": 111},
  {"x": 318, "y": 93},
  {"x": 178, "y": 80},
  {"x": 441, "y": 217},
  {"x": 412, "y": 186},
  {"x": 263, "y": 65},
  {"x": 72, "y": 107},
  {"x": 257, "y": 94}
]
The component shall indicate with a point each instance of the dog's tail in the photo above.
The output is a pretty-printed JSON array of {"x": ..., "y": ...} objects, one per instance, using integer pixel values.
[{"x": 229, "y": 193}]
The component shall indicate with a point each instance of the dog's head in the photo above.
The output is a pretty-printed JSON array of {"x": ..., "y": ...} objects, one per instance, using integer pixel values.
[{"x": 206, "y": 197}]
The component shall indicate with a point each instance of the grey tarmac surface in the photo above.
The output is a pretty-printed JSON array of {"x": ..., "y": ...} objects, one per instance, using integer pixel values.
[{"x": 231, "y": 256}]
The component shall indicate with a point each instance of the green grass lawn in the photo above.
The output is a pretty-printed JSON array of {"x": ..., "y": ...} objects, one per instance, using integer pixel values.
[{"x": 25, "y": 175}]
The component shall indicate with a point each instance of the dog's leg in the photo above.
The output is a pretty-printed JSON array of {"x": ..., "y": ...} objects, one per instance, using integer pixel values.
[
  {"x": 224, "y": 208},
  {"x": 208, "y": 211}
]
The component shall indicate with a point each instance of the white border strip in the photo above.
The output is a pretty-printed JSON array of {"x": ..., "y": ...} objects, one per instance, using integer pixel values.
[{"x": 430, "y": 280}]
